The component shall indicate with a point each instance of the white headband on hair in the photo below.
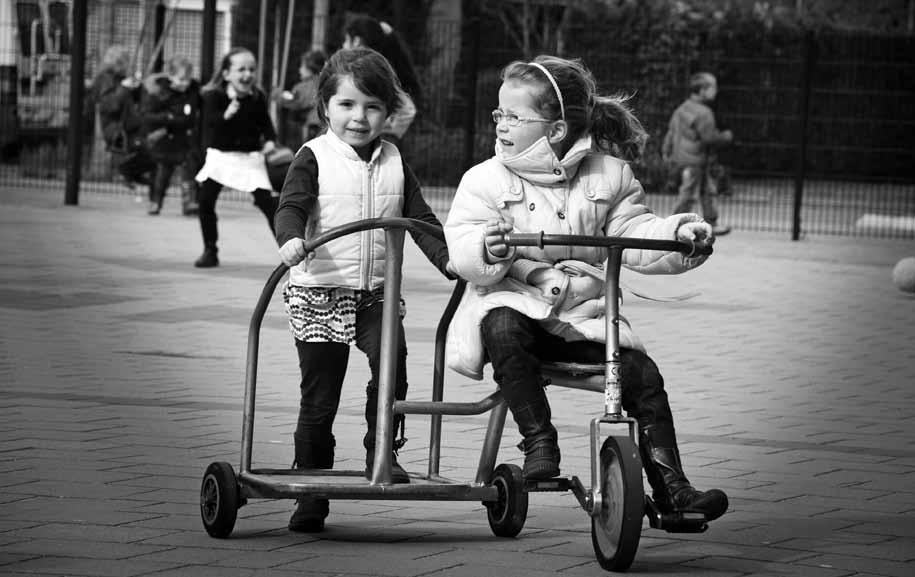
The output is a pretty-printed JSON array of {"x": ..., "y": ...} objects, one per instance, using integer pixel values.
[{"x": 562, "y": 107}]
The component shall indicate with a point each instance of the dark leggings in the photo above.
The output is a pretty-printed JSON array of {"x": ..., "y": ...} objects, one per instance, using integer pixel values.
[
  {"x": 323, "y": 366},
  {"x": 516, "y": 345},
  {"x": 209, "y": 192}
]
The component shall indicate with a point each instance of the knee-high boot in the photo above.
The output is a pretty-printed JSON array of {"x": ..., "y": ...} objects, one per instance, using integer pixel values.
[
  {"x": 398, "y": 474},
  {"x": 672, "y": 491},
  {"x": 189, "y": 198},
  {"x": 531, "y": 411},
  {"x": 313, "y": 450}
]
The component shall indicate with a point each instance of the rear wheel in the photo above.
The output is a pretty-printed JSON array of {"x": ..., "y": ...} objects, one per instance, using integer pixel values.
[
  {"x": 617, "y": 526},
  {"x": 508, "y": 514},
  {"x": 219, "y": 500}
]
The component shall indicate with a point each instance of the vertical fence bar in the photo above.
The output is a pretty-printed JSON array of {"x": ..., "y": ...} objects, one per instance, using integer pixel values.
[
  {"x": 808, "y": 53},
  {"x": 75, "y": 121},
  {"x": 158, "y": 32},
  {"x": 209, "y": 40},
  {"x": 470, "y": 106}
]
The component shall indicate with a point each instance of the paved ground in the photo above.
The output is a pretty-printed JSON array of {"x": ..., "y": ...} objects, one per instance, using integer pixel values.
[{"x": 122, "y": 371}]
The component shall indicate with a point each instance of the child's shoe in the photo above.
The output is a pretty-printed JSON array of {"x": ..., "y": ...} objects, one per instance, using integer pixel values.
[
  {"x": 309, "y": 515},
  {"x": 541, "y": 458},
  {"x": 398, "y": 474},
  {"x": 208, "y": 259}
]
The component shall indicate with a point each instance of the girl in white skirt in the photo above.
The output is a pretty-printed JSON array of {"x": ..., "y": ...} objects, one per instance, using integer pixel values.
[{"x": 237, "y": 132}]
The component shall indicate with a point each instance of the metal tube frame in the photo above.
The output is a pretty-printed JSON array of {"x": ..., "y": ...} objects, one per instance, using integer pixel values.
[
  {"x": 591, "y": 501},
  {"x": 289, "y": 484}
]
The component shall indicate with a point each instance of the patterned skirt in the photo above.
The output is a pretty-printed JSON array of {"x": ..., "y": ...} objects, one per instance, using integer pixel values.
[{"x": 328, "y": 314}]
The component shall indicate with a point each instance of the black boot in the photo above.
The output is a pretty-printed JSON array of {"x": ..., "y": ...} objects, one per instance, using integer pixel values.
[
  {"x": 208, "y": 259},
  {"x": 541, "y": 455},
  {"x": 311, "y": 452},
  {"x": 398, "y": 474},
  {"x": 540, "y": 445},
  {"x": 189, "y": 198},
  {"x": 210, "y": 232},
  {"x": 672, "y": 491}
]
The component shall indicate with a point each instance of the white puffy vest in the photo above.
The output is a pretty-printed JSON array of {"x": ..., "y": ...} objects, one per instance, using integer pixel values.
[{"x": 351, "y": 189}]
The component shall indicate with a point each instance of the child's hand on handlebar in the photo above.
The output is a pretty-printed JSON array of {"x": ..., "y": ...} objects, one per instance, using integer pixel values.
[
  {"x": 698, "y": 233},
  {"x": 293, "y": 252},
  {"x": 495, "y": 237}
]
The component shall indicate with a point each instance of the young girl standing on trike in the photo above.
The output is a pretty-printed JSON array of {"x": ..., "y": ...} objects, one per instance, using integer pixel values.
[
  {"x": 334, "y": 296},
  {"x": 556, "y": 170}
]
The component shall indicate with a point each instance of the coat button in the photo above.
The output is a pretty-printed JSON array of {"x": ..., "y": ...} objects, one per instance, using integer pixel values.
[
  {"x": 562, "y": 215},
  {"x": 557, "y": 171},
  {"x": 532, "y": 206},
  {"x": 556, "y": 290}
]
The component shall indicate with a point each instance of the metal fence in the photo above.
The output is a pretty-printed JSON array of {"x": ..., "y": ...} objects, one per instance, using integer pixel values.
[{"x": 843, "y": 164}]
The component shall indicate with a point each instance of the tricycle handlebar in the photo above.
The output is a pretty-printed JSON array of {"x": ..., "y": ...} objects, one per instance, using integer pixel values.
[
  {"x": 541, "y": 239},
  {"x": 410, "y": 224}
]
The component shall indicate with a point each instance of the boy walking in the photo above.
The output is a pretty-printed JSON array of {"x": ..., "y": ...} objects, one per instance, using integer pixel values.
[{"x": 690, "y": 140}]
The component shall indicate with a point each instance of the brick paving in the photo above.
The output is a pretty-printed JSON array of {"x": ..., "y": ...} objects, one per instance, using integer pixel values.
[{"x": 122, "y": 371}]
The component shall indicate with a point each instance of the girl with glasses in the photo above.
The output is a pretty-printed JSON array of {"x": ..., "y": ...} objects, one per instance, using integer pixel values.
[{"x": 560, "y": 167}]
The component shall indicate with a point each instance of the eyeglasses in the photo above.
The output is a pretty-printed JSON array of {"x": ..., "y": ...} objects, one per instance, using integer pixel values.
[{"x": 513, "y": 119}]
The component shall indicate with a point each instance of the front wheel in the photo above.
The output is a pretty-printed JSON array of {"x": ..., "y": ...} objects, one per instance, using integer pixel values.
[
  {"x": 508, "y": 514},
  {"x": 219, "y": 500},
  {"x": 617, "y": 525}
]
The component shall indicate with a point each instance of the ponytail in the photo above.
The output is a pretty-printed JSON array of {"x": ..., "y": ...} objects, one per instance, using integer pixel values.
[{"x": 615, "y": 129}]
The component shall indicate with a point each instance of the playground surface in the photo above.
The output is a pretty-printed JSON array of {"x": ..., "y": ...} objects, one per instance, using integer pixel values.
[{"x": 122, "y": 370}]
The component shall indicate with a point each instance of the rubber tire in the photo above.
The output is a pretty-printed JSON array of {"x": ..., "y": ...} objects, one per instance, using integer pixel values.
[
  {"x": 219, "y": 500},
  {"x": 507, "y": 515},
  {"x": 617, "y": 526}
]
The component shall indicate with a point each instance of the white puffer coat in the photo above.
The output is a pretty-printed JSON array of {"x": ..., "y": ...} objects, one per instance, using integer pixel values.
[{"x": 587, "y": 192}]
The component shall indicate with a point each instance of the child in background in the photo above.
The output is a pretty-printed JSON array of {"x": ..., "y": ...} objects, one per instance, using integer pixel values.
[
  {"x": 365, "y": 31},
  {"x": 689, "y": 146},
  {"x": 552, "y": 172},
  {"x": 300, "y": 101},
  {"x": 117, "y": 94},
  {"x": 171, "y": 112},
  {"x": 236, "y": 132},
  {"x": 334, "y": 296}
]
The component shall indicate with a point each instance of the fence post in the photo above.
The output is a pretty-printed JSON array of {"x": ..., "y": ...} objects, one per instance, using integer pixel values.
[
  {"x": 470, "y": 99},
  {"x": 208, "y": 32},
  {"x": 77, "y": 88},
  {"x": 808, "y": 54}
]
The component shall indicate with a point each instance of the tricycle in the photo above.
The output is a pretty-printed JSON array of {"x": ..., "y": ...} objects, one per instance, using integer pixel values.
[{"x": 613, "y": 498}]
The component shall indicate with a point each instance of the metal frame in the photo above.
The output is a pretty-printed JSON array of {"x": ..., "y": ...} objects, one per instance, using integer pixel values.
[{"x": 337, "y": 484}]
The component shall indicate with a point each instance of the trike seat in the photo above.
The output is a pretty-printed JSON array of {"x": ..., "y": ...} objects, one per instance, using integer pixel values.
[{"x": 584, "y": 376}]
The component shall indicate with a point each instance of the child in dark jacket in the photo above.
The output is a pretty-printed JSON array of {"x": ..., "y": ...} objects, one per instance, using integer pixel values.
[
  {"x": 237, "y": 133},
  {"x": 300, "y": 101},
  {"x": 171, "y": 113},
  {"x": 688, "y": 146},
  {"x": 116, "y": 94}
]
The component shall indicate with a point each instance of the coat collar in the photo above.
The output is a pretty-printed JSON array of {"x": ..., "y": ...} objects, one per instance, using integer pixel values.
[{"x": 540, "y": 165}]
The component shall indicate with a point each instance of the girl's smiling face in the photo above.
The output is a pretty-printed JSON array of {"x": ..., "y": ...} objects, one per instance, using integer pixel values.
[
  {"x": 515, "y": 98},
  {"x": 355, "y": 117},
  {"x": 240, "y": 75}
]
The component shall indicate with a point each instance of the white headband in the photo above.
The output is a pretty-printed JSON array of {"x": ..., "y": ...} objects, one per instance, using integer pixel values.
[{"x": 562, "y": 107}]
